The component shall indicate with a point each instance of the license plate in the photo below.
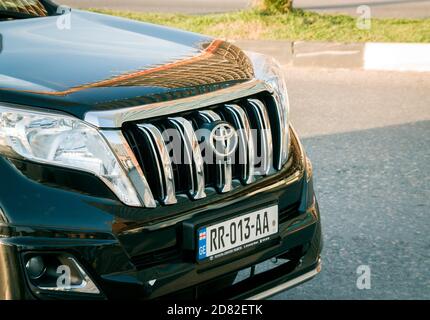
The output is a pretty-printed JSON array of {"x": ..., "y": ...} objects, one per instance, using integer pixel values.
[{"x": 238, "y": 233}]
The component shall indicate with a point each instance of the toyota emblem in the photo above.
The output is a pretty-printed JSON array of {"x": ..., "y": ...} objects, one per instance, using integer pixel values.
[{"x": 223, "y": 140}]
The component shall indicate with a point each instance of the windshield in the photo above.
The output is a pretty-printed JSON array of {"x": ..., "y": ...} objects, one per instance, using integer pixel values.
[{"x": 20, "y": 9}]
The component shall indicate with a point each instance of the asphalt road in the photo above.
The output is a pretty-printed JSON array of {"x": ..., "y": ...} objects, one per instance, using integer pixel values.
[
  {"x": 368, "y": 135},
  {"x": 181, "y": 6},
  {"x": 379, "y": 8}
]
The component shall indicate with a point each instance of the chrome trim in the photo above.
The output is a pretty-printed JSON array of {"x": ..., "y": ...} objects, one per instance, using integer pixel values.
[
  {"x": 209, "y": 115},
  {"x": 283, "y": 132},
  {"x": 128, "y": 161},
  {"x": 163, "y": 163},
  {"x": 309, "y": 169},
  {"x": 224, "y": 170},
  {"x": 246, "y": 142},
  {"x": 284, "y": 181},
  {"x": 115, "y": 118},
  {"x": 263, "y": 122},
  {"x": 194, "y": 156},
  {"x": 87, "y": 285},
  {"x": 289, "y": 284}
]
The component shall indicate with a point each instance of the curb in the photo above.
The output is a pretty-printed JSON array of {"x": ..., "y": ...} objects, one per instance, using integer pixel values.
[
  {"x": 397, "y": 56},
  {"x": 367, "y": 56}
]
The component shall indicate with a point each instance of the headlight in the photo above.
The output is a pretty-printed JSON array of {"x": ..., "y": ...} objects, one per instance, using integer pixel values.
[
  {"x": 64, "y": 141},
  {"x": 269, "y": 70}
]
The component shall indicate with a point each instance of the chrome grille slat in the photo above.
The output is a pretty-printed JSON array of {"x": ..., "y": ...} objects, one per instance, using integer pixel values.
[
  {"x": 259, "y": 137},
  {"x": 162, "y": 161},
  {"x": 129, "y": 162},
  {"x": 283, "y": 130},
  {"x": 224, "y": 177},
  {"x": 192, "y": 156},
  {"x": 246, "y": 142},
  {"x": 266, "y": 145},
  {"x": 209, "y": 115}
]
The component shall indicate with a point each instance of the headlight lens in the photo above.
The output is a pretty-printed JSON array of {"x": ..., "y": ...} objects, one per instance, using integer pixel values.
[
  {"x": 63, "y": 141},
  {"x": 269, "y": 70}
]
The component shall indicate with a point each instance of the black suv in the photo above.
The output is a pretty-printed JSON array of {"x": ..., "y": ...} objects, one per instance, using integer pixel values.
[{"x": 145, "y": 162}]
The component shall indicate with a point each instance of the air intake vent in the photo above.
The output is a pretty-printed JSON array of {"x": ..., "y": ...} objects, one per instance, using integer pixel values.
[{"x": 217, "y": 147}]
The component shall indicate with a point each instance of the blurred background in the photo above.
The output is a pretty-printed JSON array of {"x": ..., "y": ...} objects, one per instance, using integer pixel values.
[{"x": 381, "y": 8}]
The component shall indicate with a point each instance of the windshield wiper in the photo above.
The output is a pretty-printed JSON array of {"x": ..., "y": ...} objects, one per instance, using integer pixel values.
[{"x": 16, "y": 15}]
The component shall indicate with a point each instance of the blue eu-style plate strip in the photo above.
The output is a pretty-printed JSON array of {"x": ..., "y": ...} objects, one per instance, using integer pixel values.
[{"x": 202, "y": 243}]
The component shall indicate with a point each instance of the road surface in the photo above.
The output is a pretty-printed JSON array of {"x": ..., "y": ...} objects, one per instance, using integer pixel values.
[
  {"x": 368, "y": 135},
  {"x": 180, "y": 6},
  {"x": 379, "y": 8}
]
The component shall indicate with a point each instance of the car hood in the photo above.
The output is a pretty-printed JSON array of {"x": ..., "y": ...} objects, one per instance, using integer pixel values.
[{"x": 98, "y": 62}]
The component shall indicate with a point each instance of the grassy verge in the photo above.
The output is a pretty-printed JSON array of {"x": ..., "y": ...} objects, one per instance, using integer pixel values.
[{"x": 298, "y": 25}]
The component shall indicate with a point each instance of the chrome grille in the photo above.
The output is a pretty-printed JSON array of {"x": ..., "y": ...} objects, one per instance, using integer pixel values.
[
  {"x": 162, "y": 162},
  {"x": 259, "y": 135}
]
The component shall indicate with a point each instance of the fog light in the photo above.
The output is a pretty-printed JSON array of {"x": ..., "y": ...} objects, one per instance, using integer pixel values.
[
  {"x": 35, "y": 267},
  {"x": 58, "y": 272}
]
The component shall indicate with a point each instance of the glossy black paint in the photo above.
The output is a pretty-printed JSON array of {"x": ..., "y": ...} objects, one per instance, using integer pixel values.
[
  {"x": 79, "y": 69},
  {"x": 50, "y": 209}
]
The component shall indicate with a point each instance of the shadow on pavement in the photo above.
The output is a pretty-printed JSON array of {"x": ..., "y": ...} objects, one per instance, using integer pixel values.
[{"x": 374, "y": 192}]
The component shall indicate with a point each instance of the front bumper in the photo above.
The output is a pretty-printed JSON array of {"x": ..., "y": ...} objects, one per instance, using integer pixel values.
[
  {"x": 284, "y": 284},
  {"x": 151, "y": 256}
]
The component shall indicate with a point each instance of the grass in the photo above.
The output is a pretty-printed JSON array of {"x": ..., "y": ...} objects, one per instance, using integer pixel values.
[{"x": 297, "y": 25}]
